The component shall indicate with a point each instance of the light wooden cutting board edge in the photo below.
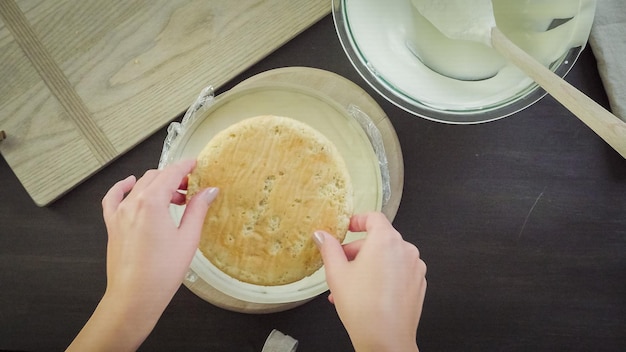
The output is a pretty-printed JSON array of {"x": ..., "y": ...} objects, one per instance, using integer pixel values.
[{"x": 39, "y": 177}]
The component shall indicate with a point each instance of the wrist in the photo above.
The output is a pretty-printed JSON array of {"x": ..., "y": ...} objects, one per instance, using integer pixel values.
[
  {"x": 133, "y": 312},
  {"x": 381, "y": 341},
  {"x": 387, "y": 346}
]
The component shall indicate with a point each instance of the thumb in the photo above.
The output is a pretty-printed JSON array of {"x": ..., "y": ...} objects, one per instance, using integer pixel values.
[
  {"x": 195, "y": 211},
  {"x": 332, "y": 253}
]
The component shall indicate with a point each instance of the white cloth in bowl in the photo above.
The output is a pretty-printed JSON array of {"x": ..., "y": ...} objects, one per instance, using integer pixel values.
[{"x": 609, "y": 48}]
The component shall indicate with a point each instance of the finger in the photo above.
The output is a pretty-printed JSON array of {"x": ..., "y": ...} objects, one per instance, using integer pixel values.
[
  {"x": 369, "y": 222},
  {"x": 184, "y": 183},
  {"x": 421, "y": 268},
  {"x": 178, "y": 198},
  {"x": 422, "y": 295},
  {"x": 331, "y": 299},
  {"x": 146, "y": 179},
  {"x": 195, "y": 212},
  {"x": 352, "y": 249},
  {"x": 375, "y": 224},
  {"x": 332, "y": 254},
  {"x": 170, "y": 179},
  {"x": 115, "y": 195}
]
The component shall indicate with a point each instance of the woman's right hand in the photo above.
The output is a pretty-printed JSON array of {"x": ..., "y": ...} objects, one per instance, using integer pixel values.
[{"x": 377, "y": 284}]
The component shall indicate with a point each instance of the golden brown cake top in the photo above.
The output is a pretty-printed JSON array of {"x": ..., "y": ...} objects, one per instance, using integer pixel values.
[{"x": 280, "y": 180}]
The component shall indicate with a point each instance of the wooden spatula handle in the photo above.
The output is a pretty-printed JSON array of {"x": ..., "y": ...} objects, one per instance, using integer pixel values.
[{"x": 606, "y": 125}]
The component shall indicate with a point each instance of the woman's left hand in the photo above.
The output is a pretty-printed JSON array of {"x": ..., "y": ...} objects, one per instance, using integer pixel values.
[{"x": 148, "y": 255}]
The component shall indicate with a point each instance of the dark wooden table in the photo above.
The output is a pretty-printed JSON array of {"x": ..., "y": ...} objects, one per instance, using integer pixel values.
[{"x": 522, "y": 223}]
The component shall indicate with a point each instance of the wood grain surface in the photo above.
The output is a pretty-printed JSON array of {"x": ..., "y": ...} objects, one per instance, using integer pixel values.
[{"x": 85, "y": 81}]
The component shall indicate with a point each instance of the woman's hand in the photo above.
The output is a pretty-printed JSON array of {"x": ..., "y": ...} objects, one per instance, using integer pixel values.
[
  {"x": 377, "y": 284},
  {"x": 148, "y": 254}
]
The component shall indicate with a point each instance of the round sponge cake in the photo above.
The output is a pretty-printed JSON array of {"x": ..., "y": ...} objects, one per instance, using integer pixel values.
[{"x": 279, "y": 180}]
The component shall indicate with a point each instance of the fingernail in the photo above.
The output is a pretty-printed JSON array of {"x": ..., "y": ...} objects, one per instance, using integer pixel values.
[
  {"x": 209, "y": 194},
  {"x": 318, "y": 238}
]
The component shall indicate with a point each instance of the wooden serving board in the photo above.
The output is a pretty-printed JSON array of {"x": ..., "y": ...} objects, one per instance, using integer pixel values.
[{"x": 84, "y": 81}]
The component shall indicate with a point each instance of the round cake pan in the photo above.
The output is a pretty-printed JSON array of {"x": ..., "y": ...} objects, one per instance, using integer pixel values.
[{"x": 210, "y": 114}]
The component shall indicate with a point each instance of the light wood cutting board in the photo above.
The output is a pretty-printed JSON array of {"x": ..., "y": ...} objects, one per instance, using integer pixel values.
[{"x": 84, "y": 81}]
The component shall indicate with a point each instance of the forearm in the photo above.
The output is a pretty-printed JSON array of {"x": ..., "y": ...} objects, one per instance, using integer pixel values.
[
  {"x": 383, "y": 335},
  {"x": 115, "y": 325}
]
